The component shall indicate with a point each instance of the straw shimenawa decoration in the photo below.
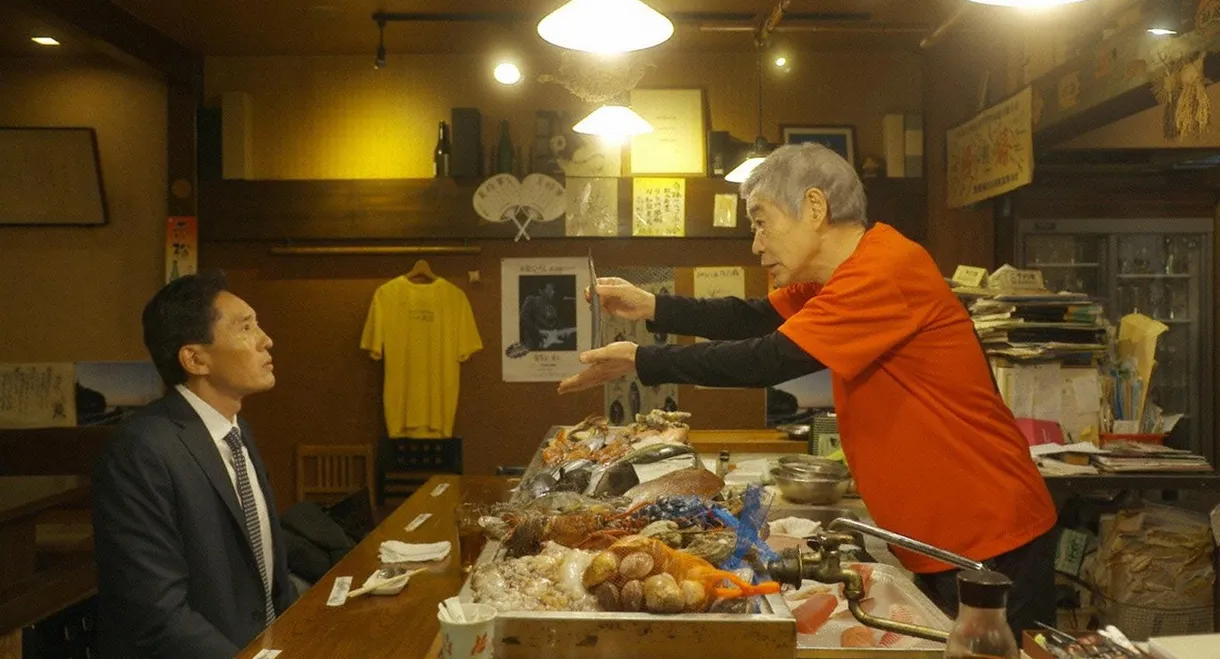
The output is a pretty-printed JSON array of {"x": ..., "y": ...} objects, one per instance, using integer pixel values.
[
  {"x": 597, "y": 80},
  {"x": 1183, "y": 93}
]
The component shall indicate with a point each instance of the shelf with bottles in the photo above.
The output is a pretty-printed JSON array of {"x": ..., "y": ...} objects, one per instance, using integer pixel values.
[{"x": 1158, "y": 256}]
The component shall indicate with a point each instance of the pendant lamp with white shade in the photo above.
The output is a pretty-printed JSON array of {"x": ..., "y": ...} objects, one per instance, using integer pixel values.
[
  {"x": 605, "y": 26},
  {"x": 614, "y": 123},
  {"x": 761, "y": 149}
]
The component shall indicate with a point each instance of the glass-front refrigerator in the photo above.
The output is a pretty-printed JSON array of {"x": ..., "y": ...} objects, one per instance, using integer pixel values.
[{"x": 1161, "y": 267}]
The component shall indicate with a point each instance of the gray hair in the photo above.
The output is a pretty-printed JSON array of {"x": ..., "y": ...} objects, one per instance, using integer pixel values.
[{"x": 786, "y": 174}]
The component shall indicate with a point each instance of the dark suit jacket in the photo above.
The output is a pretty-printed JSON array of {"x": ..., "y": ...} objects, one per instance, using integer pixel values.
[{"x": 176, "y": 573}]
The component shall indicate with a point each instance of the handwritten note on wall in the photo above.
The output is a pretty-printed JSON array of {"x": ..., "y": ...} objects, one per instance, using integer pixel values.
[
  {"x": 720, "y": 282},
  {"x": 659, "y": 207},
  {"x": 37, "y": 395}
]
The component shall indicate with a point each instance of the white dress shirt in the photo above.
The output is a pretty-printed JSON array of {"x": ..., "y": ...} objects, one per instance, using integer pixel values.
[{"x": 218, "y": 427}]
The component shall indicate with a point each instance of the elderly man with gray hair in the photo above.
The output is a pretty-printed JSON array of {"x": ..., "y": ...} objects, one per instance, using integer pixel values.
[{"x": 936, "y": 454}]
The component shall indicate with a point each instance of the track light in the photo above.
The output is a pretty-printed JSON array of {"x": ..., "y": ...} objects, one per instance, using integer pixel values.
[{"x": 379, "y": 62}]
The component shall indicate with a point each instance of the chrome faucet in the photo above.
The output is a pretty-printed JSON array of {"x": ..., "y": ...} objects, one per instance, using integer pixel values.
[{"x": 822, "y": 563}]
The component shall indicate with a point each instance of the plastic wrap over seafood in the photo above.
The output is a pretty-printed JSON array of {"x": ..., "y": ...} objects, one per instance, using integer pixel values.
[{"x": 548, "y": 581}]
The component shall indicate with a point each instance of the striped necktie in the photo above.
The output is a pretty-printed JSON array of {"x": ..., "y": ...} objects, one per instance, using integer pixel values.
[{"x": 246, "y": 495}]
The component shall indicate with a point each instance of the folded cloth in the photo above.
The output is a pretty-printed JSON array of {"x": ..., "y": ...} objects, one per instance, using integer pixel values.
[{"x": 393, "y": 551}]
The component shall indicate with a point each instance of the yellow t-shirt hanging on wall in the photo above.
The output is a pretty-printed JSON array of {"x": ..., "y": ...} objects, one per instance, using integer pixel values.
[{"x": 422, "y": 332}]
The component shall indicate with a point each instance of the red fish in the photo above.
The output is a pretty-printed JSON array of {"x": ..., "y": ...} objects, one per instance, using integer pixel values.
[{"x": 814, "y": 613}]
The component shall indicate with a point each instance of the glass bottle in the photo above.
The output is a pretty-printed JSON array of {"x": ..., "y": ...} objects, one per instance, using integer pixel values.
[
  {"x": 505, "y": 151},
  {"x": 981, "y": 630},
  {"x": 722, "y": 466},
  {"x": 440, "y": 155}
]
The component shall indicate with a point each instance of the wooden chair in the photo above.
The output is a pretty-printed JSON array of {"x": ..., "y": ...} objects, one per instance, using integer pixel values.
[
  {"x": 404, "y": 465},
  {"x": 326, "y": 474}
]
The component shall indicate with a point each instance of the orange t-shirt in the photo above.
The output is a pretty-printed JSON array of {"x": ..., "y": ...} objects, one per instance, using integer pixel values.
[{"x": 936, "y": 453}]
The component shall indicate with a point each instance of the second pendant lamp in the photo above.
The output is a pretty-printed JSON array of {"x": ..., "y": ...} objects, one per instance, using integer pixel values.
[{"x": 762, "y": 148}]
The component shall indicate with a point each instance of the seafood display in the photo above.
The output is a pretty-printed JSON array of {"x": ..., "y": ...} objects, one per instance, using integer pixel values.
[
  {"x": 618, "y": 531},
  {"x": 678, "y": 540},
  {"x": 547, "y": 581},
  {"x": 596, "y": 458}
]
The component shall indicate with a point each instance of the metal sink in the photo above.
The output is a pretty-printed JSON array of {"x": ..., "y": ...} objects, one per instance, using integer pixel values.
[{"x": 823, "y": 514}]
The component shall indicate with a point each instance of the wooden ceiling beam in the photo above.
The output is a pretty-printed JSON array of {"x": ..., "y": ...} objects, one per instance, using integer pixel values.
[
  {"x": 118, "y": 33},
  {"x": 1111, "y": 92}
]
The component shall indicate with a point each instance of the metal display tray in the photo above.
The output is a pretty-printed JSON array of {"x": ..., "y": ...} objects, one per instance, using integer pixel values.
[{"x": 769, "y": 634}]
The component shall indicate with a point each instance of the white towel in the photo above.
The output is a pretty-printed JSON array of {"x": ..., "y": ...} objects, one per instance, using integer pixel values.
[{"x": 394, "y": 551}]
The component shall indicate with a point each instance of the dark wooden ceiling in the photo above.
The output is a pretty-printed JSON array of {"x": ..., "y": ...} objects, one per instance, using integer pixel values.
[{"x": 337, "y": 27}]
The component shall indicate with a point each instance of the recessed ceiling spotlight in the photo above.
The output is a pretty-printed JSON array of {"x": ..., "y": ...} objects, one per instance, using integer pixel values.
[
  {"x": 781, "y": 62},
  {"x": 507, "y": 73},
  {"x": 45, "y": 41}
]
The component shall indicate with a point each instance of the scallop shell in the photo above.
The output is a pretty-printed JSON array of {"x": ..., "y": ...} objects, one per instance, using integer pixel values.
[
  {"x": 544, "y": 195},
  {"x": 498, "y": 198}
]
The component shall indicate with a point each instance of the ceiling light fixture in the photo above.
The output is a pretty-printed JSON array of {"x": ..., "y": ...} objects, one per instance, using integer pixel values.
[
  {"x": 379, "y": 62},
  {"x": 507, "y": 73},
  {"x": 781, "y": 62},
  {"x": 762, "y": 148},
  {"x": 605, "y": 26},
  {"x": 614, "y": 123},
  {"x": 1171, "y": 18},
  {"x": 1026, "y": 4},
  {"x": 45, "y": 41}
]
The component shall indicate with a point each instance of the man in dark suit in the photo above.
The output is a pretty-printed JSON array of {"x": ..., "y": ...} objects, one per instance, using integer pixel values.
[{"x": 190, "y": 563}]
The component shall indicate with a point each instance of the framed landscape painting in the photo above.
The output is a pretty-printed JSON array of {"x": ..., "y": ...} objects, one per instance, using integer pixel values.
[{"x": 840, "y": 139}]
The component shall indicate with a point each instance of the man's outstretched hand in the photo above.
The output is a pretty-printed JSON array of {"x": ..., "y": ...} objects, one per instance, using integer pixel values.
[
  {"x": 624, "y": 299},
  {"x": 605, "y": 364}
]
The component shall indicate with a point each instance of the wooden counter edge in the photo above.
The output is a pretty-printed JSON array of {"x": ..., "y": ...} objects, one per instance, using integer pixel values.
[{"x": 745, "y": 441}]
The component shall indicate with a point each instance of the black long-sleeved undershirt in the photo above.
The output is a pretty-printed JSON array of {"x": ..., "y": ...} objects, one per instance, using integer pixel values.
[{"x": 746, "y": 348}]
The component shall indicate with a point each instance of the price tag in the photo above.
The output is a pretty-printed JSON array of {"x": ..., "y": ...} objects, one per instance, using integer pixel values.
[
  {"x": 338, "y": 593},
  {"x": 969, "y": 275},
  {"x": 419, "y": 520},
  {"x": 440, "y": 489}
]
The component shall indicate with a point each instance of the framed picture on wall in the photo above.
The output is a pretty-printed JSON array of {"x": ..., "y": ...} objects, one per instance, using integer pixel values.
[
  {"x": 840, "y": 139},
  {"x": 677, "y": 144}
]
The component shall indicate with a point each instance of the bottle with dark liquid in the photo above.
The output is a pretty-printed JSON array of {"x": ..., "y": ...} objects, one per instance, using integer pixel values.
[
  {"x": 981, "y": 630},
  {"x": 440, "y": 156},
  {"x": 504, "y": 152}
]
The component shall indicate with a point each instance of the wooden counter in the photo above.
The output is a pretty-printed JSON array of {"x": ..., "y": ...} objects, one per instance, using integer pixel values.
[
  {"x": 403, "y": 626},
  {"x": 766, "y": 440}
]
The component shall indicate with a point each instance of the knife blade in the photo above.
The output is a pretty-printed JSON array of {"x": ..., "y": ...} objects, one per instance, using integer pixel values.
[{"x": 595, "y": 305}]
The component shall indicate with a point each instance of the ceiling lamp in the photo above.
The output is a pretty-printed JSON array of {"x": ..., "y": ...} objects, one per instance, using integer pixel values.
[
  {"x": 758, "y": 153},
  {"x": 1170, "y": 18},
  {"x": 605, "y": 26},
  {"x": 614, "y": 123},
  {"x": 1026, "y": 4},
  {"x": 45, "y": 41},
  {"x": 379, "y": 60},
  {"x": 507, "y": 73}
]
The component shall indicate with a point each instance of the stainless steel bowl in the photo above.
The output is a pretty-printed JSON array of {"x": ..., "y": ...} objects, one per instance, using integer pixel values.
[
  {"x": 813, "y": 466},
  {"x": 800, "y": 487},
  {"x": 796, "y": 431}
]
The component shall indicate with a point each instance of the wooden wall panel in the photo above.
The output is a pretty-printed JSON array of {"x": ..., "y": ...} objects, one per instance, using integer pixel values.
[{"x": 329, "y": 391}]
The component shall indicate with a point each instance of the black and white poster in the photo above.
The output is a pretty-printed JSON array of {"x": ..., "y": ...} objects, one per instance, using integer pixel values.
[
  {"x": 545, "y": 321},
  {"x": 627, "y": 397}
]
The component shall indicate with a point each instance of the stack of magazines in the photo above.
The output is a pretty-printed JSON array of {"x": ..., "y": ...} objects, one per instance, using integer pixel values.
[{"x": 1141, "y": 457}]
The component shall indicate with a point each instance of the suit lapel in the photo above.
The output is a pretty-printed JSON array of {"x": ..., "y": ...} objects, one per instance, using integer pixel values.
[{"x": 195, "y": 436}]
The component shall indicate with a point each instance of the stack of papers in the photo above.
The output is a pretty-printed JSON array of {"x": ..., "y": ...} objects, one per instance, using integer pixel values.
[
  {"x": 1116, "y": 457},
  {"x": 1137, "y": 457},
  {"x": 1034, "y": 326}
]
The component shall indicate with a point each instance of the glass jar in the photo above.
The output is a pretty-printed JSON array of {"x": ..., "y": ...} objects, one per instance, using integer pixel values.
[{"x": 981, "y": 630}]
